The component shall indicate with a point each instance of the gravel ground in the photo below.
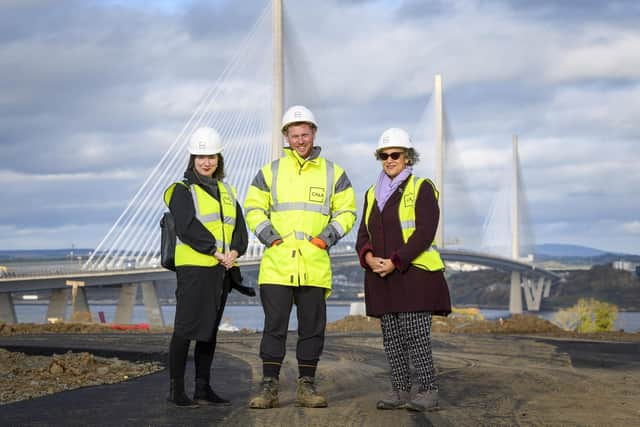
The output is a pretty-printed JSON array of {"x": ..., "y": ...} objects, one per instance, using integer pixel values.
[{"x": 25, "y": 377}]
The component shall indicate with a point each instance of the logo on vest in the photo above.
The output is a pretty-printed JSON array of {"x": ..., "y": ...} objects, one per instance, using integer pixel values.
[
  {"x": 316, "y": 194},
  {"x": 408, "y": 200},
  {"x": 227, "y": 200}
]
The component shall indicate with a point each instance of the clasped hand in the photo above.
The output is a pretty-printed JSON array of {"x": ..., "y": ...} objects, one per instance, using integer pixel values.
[
  {"x": 227, "y": 259},
  {"x": 380, "y": 266}
]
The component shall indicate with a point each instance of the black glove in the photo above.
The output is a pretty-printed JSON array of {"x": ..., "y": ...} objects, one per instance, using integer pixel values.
[
  {"x": 235, "y": 279},
  {"x": 244, "y": 290}
]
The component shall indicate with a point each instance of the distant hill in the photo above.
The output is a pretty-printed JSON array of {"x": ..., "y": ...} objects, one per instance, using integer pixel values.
[
  {"x": 42, "y": 254},
  {"x": 576, "y": 254},
  {"x": 491, "y": 288},
  {"x": 562, "y": 250}
]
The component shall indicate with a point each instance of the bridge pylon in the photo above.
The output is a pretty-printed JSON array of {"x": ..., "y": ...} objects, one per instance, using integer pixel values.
[
  {"x": 515, "y": 295},
  {"x": 533, "y": 291}
]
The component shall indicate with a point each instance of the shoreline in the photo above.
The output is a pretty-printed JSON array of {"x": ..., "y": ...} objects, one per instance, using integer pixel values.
[{"x": 45, "y": 302}]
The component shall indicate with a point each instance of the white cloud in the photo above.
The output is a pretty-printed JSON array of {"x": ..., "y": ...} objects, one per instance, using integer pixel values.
[
  {"x": 603, "y": 53},
  {"x": 20, "y": 238},
  {"x": 632, "y": 227},
  {"x": 90, "y": 105},
  {"x": 11, "y": 177}
]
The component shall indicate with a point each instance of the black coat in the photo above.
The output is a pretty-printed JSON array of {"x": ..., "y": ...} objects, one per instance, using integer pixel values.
[
  {"x": 408, "y": 288},
  {"x": 200, "y": 292}
]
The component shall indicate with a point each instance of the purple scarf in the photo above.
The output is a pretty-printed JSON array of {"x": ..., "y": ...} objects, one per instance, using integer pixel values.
[{"x": 386, "y": 186}]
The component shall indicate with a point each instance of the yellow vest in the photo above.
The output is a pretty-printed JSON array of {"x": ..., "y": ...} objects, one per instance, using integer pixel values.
[
  {"x": 300, "y": 203},
  {"x": 219, "y": 218},
  {"x": 429, "y": 259}
]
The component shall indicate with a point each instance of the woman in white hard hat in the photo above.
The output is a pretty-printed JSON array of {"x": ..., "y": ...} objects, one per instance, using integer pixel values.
[
  {"x": 211, "y": 235},
  {"x": 404, "y": 274}
]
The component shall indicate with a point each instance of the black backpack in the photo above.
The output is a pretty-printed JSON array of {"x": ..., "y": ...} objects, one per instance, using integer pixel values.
[
  {"x": 168, "y": 238},
  {"x": 168, "y": 241}
]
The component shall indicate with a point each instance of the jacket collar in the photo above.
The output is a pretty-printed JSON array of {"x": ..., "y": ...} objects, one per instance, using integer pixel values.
[
  {"x": 293, "y": 154},
  {"x": 210, "y": 185}
]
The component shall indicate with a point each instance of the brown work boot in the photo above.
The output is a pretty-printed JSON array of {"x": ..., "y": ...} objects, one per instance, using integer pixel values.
[
  {"x": 268, "y": 396},
  {"x": 307, "y": 395}
]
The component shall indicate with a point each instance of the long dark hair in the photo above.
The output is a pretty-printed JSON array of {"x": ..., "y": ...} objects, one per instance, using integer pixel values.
[{"x": 218, "y": 174}]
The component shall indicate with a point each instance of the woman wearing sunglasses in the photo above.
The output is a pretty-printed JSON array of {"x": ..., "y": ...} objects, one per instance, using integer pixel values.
[{"x": 404, "y": 274}]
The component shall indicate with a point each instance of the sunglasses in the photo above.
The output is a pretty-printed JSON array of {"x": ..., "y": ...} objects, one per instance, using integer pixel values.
[{"x": 395, "y": 155}]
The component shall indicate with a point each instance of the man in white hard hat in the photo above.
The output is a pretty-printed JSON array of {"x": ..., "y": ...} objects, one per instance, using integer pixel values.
[{"x": 298, "y": 206}]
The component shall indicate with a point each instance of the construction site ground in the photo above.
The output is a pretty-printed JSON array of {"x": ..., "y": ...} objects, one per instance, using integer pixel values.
[{"x": 490, "y": 374}]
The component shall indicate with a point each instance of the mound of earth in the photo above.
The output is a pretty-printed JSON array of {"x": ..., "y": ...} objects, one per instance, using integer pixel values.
[
  {"x": 519, "y": 324},
  {"x": 7, "y": 329},
  {"x": 26, "y": 377}
]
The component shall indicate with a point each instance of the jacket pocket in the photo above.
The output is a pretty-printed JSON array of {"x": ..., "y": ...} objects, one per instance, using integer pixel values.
[
  {"x": 279, "y": 264},
  {"x": 316, "y": 265}
]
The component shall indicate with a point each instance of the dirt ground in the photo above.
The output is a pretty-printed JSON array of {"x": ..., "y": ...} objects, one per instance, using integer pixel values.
[
  {"x": 520, "y": 371},
  {"x": 27, "y": 377}
]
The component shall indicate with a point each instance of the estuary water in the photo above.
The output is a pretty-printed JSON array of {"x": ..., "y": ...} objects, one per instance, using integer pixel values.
[{"x": 251, "y": 316}]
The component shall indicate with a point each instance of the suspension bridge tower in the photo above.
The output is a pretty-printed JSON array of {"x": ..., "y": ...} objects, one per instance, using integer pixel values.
[
  {"x": 278, "y": 80},
  {"x": 439, "y": 109},
  {"x": 515, "y": 295}
]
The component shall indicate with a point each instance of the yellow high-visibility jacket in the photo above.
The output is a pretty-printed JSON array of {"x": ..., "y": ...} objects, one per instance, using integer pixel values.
[
  {"x": 429, "y": 259},
  {"x": 217, "y": 217},
  {"x": 294, "y": 200}
]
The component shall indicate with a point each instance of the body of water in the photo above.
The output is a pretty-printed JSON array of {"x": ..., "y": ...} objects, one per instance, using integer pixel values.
[{"x": 251, "y": 316}]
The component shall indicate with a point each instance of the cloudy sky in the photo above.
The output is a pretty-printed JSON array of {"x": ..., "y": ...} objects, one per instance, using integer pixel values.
[{"x": 94, "y": 92}]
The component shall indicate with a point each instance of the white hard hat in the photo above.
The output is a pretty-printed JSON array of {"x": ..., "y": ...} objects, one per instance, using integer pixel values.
[
  {"x": 394, "y": 137},
  {"x": 205, "y": 141},
  {"x": 298, "y": 114}
]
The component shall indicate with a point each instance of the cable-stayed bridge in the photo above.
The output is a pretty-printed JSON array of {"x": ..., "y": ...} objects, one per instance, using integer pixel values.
[{"x": 245, "y": 104}]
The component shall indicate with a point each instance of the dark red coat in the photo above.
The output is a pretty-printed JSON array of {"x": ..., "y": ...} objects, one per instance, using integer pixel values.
[{"x": 408, "y": 288}]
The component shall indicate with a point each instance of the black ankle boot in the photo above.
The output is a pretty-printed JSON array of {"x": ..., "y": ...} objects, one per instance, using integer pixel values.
[
  {"x": 205, "y": 395},
  {"x": 177, "y": 396}
]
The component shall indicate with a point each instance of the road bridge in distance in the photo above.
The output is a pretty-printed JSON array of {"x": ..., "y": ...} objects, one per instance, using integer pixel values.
[{"x": 536, "y": 284}]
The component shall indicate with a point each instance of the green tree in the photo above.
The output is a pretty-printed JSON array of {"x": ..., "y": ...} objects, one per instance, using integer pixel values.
[{"x": 588, "y": 315}]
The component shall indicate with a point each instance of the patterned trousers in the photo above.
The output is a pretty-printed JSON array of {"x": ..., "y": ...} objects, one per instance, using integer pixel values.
[{"x": 407, "y": 339}]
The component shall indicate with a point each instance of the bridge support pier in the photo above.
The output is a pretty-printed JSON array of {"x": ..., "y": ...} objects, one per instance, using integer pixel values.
[
  {"x": 57, "y": 308},
  {"x": 152, "y": 304},
  {"x": 7, "y": 309},
  {"x": 515, "y": 296},
  {"x": 547, "y": 289},
  {"x": 80, "y": 303},
  {"x": 534, "y": 292},
  {"x": 126, "y": 301}
]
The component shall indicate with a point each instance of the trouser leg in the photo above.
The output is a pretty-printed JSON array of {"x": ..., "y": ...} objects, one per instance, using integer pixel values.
[
  {"x": 203, "y": 356},
  {"x": 276, "y": 301},
  {"x": 312, "y": 319},
  {"x": 204, "y": 351},
  {"x": 394, "y": 341},
  {"x": 178, "y": 352},
  {"x": 419, "y": 338}
]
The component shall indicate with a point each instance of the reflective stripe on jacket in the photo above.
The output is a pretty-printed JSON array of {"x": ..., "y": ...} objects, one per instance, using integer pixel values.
[
  {"x": 297, "y": 200},
  {"x": 218, "y": 217},
  {"x": 429, "y": 259}
]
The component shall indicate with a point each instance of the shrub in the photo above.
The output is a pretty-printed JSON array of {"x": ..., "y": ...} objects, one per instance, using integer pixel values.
[
  {"x": 588, "y": 315},
  {"x": 471, "y": 313}
]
